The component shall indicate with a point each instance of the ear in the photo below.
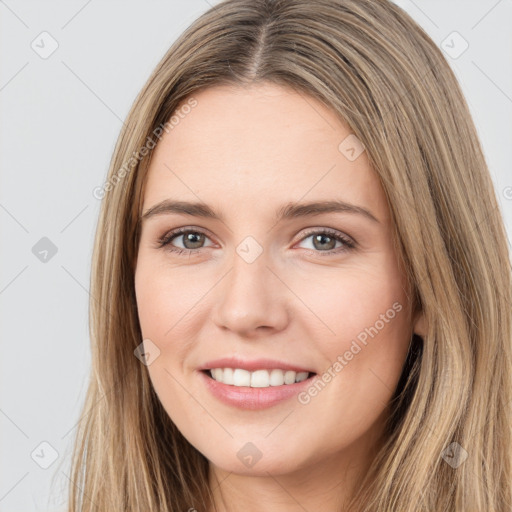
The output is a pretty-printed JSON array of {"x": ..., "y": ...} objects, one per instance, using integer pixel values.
[{"x": 420, "y": 324}]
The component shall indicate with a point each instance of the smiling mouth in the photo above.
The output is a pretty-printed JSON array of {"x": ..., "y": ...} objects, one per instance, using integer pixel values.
[{"x": 239, "y": 377}]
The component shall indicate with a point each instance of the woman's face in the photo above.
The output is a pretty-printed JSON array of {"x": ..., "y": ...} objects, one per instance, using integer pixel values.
[{"x": 269, "y": 285}]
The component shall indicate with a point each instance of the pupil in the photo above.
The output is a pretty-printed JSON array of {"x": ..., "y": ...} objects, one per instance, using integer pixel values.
[
  {"x": 190, "y": 238},
  {"x": 321, "y": 238}
]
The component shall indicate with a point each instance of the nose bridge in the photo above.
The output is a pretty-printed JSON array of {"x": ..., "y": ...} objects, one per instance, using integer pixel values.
[{"x": 249, "y": 298}]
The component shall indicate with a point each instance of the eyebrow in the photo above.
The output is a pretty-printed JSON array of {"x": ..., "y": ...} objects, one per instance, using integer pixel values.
[{"x": 286, "y": 212}]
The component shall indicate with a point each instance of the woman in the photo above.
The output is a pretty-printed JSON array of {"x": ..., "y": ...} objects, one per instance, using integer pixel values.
[{"x": 238, "y": 363}]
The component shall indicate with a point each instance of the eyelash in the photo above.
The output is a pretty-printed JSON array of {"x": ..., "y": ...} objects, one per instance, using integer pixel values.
[{"x": 349, "y": 244}]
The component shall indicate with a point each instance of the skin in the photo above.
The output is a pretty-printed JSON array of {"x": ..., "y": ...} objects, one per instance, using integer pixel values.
[{"x": 246, "y": 152}]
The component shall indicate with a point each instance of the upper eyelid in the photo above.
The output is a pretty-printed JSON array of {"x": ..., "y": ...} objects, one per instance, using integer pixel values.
[{"x": 174, "y": 233}]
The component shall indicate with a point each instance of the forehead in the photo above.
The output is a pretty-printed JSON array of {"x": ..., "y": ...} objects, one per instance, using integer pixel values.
[{"x": 263, "y": 141}]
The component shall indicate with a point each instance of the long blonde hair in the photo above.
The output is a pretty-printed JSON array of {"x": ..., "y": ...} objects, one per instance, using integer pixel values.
[{"x": 369, "y": 62}]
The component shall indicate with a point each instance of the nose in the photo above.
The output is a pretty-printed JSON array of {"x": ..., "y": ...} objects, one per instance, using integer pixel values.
[{"x": 251, "y": 299}]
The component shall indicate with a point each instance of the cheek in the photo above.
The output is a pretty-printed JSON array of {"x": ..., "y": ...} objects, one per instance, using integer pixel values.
[
  {"x": 346, "y": 303},
  {"x": 170, "y": 312},
  {"x": 159, "y": 309},
  {"x": 163, "y": 297},
  {"x": 151, "y": 304},
  {"x": 365, "y": 336}
]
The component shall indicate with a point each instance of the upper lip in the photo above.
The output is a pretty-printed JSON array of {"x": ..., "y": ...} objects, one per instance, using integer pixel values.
[{"x": 253, "y": 364}]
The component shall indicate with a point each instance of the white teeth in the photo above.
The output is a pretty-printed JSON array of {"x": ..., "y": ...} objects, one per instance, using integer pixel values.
[
  {"x": 217, "y": 373},
  {"x": 276, "y": 378},
  {"x": 227, "y": 376},
  {"x": 241, "y": 377},
  {"x": 301, "y": 376},
  {"x": 258, "y": 378},
  {"x": 289, "y": 377}
]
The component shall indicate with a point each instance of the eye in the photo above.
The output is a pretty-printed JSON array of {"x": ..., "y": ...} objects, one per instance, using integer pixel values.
[
  {"x": 323, "y": 241},
  {"x": 191, "y": 238}
]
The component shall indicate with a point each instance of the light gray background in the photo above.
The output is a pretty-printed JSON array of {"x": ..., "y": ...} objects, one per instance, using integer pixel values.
[{"x": 60, "y": 118}]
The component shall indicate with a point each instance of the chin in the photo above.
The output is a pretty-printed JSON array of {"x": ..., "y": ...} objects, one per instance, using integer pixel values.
[{"x": 259, "y": 458}]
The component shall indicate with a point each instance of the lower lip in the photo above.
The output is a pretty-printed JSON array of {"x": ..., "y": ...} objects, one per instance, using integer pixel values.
[{"x": 245, "y": 397}]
